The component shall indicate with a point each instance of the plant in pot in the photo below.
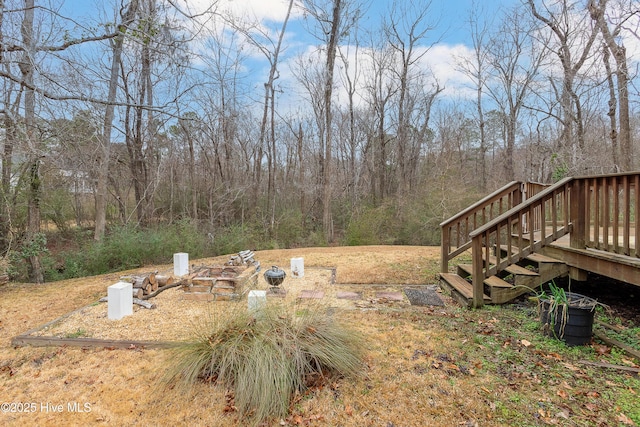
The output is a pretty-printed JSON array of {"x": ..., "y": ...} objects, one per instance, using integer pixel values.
[{"x": 567, "y": 316}]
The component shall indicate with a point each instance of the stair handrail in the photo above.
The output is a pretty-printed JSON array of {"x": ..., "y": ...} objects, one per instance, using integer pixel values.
[
  {"x": 512, "y": 191},
  {"x": 481, "y": 237}
]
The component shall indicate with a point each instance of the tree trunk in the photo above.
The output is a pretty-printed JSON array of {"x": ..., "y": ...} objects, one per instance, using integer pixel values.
[
  {"x": 105, "y": 140},
  {"x": 327, "y": 221},
  {"x": 35, "y": 190},
  {"x": 620, "y": 55}
]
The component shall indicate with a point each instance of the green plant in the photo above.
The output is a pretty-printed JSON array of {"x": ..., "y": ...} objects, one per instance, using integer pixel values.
[{"x": 267, "y": 356}]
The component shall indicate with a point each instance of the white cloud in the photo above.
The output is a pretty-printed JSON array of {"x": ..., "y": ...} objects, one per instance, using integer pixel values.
[{"x": 253, "y": 10}]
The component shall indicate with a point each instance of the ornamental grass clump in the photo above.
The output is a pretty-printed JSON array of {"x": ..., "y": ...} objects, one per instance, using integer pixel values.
[{"x": 268, "y": 355}]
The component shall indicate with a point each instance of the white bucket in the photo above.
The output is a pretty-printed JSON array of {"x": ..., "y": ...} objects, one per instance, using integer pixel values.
[{"x": 297, "y": 267}]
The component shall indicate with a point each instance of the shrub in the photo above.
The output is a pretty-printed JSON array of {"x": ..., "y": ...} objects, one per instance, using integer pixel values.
[
  {"x": 372, "y": 226},
  {"x": 268, "y": 355}
]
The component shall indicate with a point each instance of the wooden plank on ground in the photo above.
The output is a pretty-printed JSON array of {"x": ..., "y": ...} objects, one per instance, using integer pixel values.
[
  {"x": 610, "y": 366},
  {"x": 38, "y": 341},
  {"x": 624, "y": 347}
]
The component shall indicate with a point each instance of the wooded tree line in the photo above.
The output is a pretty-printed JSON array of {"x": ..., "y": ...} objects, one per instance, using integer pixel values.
[{"x": 147, "y": 112}]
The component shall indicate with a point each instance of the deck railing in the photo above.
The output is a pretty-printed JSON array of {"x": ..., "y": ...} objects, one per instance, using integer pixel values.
[
  {"x": 598, "y": 212},
  {"x": 519, "y": 232},
  {"x": 456, "y": 230},
  {"x": 610, "y": 222}
]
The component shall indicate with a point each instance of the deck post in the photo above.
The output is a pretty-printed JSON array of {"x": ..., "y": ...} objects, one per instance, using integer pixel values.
[
  {"x": 445, "y": 245},
  {"x": 577, "y": 215},
  {"x": 478, "y": 274}
]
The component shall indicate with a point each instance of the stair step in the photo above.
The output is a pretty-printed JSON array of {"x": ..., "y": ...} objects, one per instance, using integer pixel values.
[
  {"x": 539, "y": 258},
  {"x": 463, "y": 287},
  {"x": 514, "y": 249},
  {"x": 466, "y": 268},
  {"x": 496, "y": 282},
  {"x": 492, "y": 259},
  {"x": 515, "y": 269}
]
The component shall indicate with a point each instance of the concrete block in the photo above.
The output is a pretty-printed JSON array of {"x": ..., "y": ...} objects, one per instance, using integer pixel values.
[
  {"x": 180, "y": 264},
  {"x": 256, "y": 299},
  {"x": 120, "y": 300}
]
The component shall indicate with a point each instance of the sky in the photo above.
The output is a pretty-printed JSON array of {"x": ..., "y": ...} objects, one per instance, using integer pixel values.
[
  {"x": 451, "y": 32},
  {"x": 449, "y": 41},
  {"x": 451, "y": 17}
]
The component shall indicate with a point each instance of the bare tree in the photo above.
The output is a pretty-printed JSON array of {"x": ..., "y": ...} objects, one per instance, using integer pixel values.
[
  {"x": 561, "y": 20},
  {"x": 333, "y": 18},
  {"x": 406, "y": 29},
  {"x": 476, "y": 68},
  {"x": 515, "y": 61},
  {"x": 127, "y": 18},
  {"x": 597, "y": 9}
]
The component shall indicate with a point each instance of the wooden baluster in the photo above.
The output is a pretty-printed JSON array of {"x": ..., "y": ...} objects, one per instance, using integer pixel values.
[
  {"x": 577, "y": 214},
  {"x": 636, "y": 223},
  {"x": 605, "y": 215},
  {"x": 596, "y": 213},
  {"x": 615, "y": 220},
  {"x": 626, "y": 225}
]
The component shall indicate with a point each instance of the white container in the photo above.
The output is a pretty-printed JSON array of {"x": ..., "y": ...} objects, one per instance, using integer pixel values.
[
  {"x": 120, "y": 300},
  {"x": 256, "y": 300},
  {"x": 180, "y": 264},
  {"x": 297, "y": 267}
]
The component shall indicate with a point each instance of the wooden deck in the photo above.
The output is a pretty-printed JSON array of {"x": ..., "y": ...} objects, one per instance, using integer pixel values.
[
  {"x": 589, "y": 224},
  {"x": 616, "y": 266}
]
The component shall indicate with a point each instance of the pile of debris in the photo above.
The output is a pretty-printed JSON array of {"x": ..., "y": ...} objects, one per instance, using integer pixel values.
[{"x": 148, "y": 284}]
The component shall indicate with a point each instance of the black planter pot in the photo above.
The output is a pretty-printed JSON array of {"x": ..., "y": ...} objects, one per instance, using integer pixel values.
[{"x": 572, "y": 323}]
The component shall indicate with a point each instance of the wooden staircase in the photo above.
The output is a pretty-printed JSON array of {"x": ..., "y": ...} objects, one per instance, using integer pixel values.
[
  {"x": 515, "y": 237},
  {"x": 515, "y": 280}
]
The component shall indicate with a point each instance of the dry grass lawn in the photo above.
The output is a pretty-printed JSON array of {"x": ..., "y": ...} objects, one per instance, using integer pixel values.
[{"x": 439, "y": 366}]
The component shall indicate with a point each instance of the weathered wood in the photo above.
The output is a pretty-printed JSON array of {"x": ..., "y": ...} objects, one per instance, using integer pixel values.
[
  {"x": 603, "y": 263},
  {"x": 152, "y": 277},
  {"x": 164, "y": 280},
  {"x": 609, "y": 326},
  {"x": 622, "y": 346},
  {"x": 164, "y": 288},
  {"x": 140, "y": 281},
  {"x": 39, "y": 341},
  {"x": 137, "y": 292},
  {"x": 610, "y": 366}
]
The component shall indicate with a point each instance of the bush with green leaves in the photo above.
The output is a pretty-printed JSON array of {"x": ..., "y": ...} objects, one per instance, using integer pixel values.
[{"x": 265, "y": 356}]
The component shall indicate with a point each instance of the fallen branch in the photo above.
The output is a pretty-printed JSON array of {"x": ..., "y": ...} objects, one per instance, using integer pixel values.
[
  {"x": 163, "y": 288},
  {"x": 145, "y": 304}
]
